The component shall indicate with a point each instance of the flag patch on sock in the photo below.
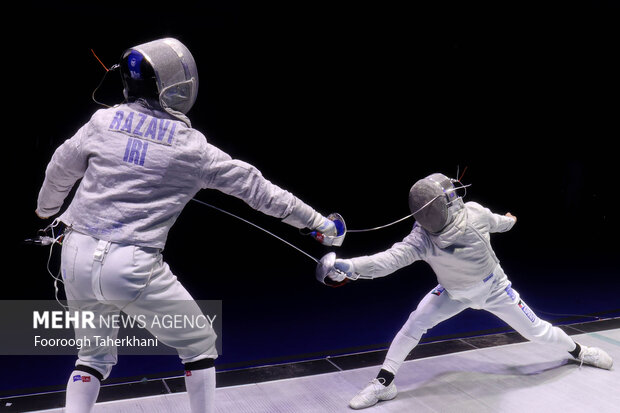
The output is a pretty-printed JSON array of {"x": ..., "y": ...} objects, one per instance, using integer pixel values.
[
  {"x": 83, "y": 379},
  {"x": 188, "y": 373},
  {"x": 438, "y": 291}
]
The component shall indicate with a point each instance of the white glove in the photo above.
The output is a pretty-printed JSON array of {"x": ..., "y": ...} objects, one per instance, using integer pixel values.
[
  {"x": 327, "y": 228},
  {"x": 342, "y": 272},
  {"x": 331, "y": 231},
  {"x": 335, "y": 272},
  {"x": 345, "y": 269},
  {"x": 328, "y": 274},
  {"x": 336, "y": 276}
]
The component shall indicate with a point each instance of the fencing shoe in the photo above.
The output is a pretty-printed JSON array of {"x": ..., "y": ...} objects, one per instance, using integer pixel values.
[
  {"x": 372, "y": 393},
  {"x": 596, "y": 357}
]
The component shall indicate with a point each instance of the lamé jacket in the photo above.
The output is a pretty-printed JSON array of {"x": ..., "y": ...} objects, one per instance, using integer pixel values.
[
  {"x": 461, "y": 255},
  {"x": 139, "y": 167}
]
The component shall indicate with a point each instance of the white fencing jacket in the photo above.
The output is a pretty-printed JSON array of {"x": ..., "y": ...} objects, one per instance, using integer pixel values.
[
  {"x": 461, "y": 255},
  {"x": 139, "y": 167}
]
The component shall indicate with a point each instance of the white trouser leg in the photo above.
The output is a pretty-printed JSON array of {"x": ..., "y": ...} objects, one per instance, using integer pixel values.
[
  {"x": 506, "y": 304},
  {"x": 165, "y": 295},
  {"x": 79, "y": 268},
  {"x": 436, "y": 307},
  {"x": 106, "y": 278}
]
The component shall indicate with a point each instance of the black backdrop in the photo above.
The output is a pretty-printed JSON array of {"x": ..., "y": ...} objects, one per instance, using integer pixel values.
[{"x": 345, "y": 106}]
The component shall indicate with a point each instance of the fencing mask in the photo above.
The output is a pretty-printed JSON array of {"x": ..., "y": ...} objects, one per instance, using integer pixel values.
[
  {"x": 171, "y": 66},
  {"x": 434, "y": 201}
]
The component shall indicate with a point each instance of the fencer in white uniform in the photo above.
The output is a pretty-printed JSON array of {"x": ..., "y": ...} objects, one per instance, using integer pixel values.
[
  {"x": 140, "y": 163},
  {"x": 453, "y": 237}
]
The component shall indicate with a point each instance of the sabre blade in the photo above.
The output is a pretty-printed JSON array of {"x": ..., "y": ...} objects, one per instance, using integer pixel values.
[{"x": 258, "y": 227}]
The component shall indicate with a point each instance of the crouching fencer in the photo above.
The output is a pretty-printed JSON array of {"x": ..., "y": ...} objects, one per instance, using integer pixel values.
[
  {"x": 140, "y": 163},
  {"x": 454, "y": 238}
]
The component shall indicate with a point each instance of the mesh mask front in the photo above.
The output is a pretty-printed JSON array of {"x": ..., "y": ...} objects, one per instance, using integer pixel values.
[{"x": 430, "y": 200}]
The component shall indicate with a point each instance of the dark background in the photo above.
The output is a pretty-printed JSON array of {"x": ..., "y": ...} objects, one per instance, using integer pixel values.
[{"x": 345, "y": 105}]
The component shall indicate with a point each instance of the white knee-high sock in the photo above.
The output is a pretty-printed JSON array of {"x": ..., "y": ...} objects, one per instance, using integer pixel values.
[
  {"x": 200, "y": 386},
  {"x": 82, "y": 392}
]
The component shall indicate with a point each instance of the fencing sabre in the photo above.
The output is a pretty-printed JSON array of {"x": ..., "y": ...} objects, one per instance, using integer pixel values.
[{"x": 326, "y": 264}]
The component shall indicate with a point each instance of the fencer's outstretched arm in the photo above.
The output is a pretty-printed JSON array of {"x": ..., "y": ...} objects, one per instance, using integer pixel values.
[
  {"x": 167, "y": 182},
  {"x": 244, "y": 181},
  {"x": 400, "y": 255}
]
